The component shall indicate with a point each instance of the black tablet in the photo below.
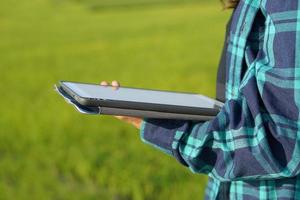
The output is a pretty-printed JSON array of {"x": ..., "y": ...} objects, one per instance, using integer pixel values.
[{"x": 95, "y": 95}]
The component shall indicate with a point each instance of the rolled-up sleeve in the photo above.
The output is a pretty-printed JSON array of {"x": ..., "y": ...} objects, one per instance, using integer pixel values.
[{"x": 244, "y": 141}]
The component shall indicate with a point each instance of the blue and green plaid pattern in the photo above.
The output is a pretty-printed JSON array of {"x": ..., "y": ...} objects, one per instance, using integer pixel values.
[{"x": 251, "y": 150}]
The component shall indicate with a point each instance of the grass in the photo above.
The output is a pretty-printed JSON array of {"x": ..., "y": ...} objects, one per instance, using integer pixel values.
[{"x": 47, "y": 149}]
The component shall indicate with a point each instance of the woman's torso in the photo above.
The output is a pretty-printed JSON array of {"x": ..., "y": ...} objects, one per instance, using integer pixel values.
[{"x": 245, "y": 39}]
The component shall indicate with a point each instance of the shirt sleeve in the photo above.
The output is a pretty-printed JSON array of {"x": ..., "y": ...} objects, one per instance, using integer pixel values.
[{"x": 257, "y": 134}]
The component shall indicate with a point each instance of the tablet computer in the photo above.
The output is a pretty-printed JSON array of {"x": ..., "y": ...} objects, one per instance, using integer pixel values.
[
  {"x": 94, "y": 95},
  {"x": 101, "y": 110}
]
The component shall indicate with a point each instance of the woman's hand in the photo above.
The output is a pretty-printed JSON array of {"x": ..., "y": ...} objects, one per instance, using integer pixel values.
[{"x": 136, "y": 122}]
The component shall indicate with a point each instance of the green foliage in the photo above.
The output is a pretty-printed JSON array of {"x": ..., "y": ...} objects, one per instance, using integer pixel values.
[{"x": 47, "y": 149}]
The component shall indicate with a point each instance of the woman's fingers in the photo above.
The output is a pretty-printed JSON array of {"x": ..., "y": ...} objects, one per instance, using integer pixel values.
[
  {"x": 131, "y": 120},
  {"x": 104, "y": 83},
  {"x": 115, "y": 83}
]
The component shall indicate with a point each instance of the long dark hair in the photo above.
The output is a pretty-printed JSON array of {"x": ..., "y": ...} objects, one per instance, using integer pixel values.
[{"x": 230, "y": 3}]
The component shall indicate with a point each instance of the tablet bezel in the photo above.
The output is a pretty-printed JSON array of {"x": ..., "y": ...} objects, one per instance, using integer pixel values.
[{"x": 94, "y": 102}]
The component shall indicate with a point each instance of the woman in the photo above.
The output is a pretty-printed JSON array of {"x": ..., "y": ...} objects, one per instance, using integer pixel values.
[{"x": 251, "y": 149}]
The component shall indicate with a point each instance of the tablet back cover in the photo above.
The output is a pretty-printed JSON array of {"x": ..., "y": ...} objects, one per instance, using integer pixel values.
[{"x": 129, "y": 112}]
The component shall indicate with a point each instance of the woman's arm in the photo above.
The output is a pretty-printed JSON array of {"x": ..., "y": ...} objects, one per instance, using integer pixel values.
[{"x": 247, "y": 140}]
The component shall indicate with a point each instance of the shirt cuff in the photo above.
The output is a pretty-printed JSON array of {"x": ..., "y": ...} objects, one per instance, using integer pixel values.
[{"x": 165, "y": 135}]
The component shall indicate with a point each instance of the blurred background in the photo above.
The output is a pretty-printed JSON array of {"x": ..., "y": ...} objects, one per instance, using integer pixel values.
[{"x": 50, "y": 151}]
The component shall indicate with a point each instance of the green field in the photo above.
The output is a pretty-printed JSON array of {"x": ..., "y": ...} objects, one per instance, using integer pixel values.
[{"x": 50, "y": 151}]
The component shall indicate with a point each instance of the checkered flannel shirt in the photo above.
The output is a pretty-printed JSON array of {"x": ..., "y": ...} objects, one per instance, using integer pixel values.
[{"x": 251, "y": 149}]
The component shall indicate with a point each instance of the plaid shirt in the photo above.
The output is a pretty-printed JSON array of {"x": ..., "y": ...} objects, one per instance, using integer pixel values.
[{"x": 251, "y": 149}]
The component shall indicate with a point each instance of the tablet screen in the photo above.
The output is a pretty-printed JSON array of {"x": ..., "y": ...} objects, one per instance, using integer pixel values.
[{"x": 140, "y": 95}]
